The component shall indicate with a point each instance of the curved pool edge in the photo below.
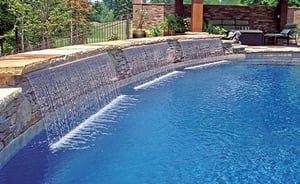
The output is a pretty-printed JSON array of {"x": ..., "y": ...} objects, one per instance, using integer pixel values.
[
  {"x": 22, "y": 140},
  {"x": 16, "y": 142}
]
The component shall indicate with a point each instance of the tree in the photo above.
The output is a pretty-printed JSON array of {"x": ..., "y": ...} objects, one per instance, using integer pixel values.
[
  {"x": 36, "y": 24},
  {"x": 294, "y": 3},
  {"x": 101, "y": 13},
  {"x": 97, "y": 8},
  {"x": 78, "y": 18},
  {"x": 17, "y": 10},
  {"x": 7, "y": 24},
  {"x": 123, "y": 9},
  {"x": 39, "y": 21},
  {"x": 260, "y": 2}
]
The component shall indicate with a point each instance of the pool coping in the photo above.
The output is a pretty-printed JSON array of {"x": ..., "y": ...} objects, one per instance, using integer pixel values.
[
  {"x": 8, "y": 94},
  {"x": 26, "y": 62}
]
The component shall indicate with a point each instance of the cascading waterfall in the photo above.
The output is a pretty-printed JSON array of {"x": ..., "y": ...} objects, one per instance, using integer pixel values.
[
  {"x": 202, "y": 48},
  {"x": 203, "y": 66},
  {"x": 69, "y": 93},
  {"x": 96, "y": 124},
  {"x": 160, "y": 80},
  {"x": 149, "y": 60}
]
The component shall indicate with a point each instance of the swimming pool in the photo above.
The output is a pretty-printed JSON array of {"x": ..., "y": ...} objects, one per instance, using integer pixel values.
[{"x": 234, "y": 123}]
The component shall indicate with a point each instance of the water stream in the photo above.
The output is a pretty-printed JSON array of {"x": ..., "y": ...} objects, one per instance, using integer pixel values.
[{"x": 63, "y": 91}]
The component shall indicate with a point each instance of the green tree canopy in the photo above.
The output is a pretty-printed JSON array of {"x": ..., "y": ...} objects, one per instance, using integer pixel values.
[
  {"x": 37, "y": 21},
  {"x": 7, "y": 19},
  {"x": 294, "y": 3},
  {"x": 7, "y": 23},
  {"x": 108, "y": 10},
  {"x": 260, "y": 2}
]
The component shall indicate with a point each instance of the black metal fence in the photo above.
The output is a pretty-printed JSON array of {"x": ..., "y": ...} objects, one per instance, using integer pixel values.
[{"x": 97, "y": 32}]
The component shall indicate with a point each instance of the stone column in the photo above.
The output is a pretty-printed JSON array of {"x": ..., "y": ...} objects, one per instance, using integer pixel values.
[{"x": 197, "y": 16}]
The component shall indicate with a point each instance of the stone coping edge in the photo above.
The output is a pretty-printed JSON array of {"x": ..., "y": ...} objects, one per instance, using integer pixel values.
[
  {"x": 7, "y": 95},
  {"x": 18, "y": 64}
]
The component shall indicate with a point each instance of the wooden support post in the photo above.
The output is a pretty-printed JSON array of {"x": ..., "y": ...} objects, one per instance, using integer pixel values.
[
  {"x": 283, "y": 13},
  {"x": 179, "y": 8},
  {"x": 197, "y": 16}
]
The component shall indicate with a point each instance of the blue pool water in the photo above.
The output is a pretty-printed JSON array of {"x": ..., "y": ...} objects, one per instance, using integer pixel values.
[{"x": 235, "y": 123}]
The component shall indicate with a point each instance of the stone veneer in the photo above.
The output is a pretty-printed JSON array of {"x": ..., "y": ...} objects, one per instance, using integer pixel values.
[
  {"x": 19, "y": 111},
  {"x": 13, "y": 108}
]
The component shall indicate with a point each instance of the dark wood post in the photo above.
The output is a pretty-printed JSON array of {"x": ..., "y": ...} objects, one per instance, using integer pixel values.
[
  {"x": 283, "y": 9},
  {"x": 179, "y": 8}
]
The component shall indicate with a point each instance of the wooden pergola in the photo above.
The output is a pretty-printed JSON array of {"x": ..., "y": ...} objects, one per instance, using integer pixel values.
[{"x": 197, "y": 13}]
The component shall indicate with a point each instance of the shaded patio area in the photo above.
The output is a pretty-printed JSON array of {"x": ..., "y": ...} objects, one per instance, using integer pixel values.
[{"x": 253, "y": 21}]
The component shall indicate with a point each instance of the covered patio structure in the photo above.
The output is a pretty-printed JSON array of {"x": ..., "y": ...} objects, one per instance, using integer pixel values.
[
  {"x": 197, "y": 13},
  {"x": 257, "y": 19}
]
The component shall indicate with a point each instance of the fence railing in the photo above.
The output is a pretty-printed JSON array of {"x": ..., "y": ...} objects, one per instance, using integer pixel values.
[{"x": 97, "y": 32}]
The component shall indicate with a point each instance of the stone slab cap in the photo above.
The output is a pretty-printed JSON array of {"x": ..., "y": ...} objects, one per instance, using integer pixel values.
[
  {"x": 18, "y": 64},
  {"x": 22, "y": 63},
  {"x": 8, "y": 94}
]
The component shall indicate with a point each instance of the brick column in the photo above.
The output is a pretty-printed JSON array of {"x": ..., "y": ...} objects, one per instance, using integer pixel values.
[
  {"x": 137, "y": 1},
  {"x": 136, "y": 4},
  {"x": 197, "y": 16}
]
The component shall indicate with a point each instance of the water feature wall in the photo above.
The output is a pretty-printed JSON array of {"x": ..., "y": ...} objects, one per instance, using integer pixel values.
[
  {"x": 80, "y": 86},
  {"x": 201, "y": 49},
  {"x": 148, "y": 57},
  {"x": 148, "y": 60},
  {"x": 62, "y": 96}
]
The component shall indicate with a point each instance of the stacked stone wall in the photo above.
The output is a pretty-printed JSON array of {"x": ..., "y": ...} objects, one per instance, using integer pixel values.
[
  {"x": 20, "y": 113},
  {"x": 16, "y": 116}
]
